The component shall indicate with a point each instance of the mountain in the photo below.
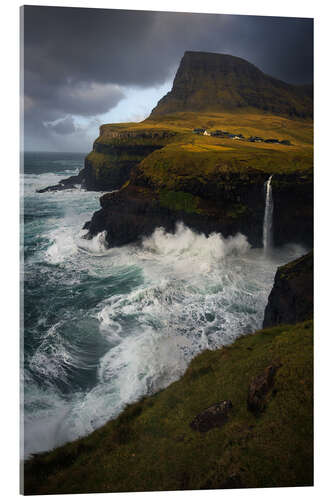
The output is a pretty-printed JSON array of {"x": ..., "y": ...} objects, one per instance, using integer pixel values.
[
  {"x": 161, "y": 173},
  {"x": 219, "y": 82},
  {"x": 165, "y": 173}
]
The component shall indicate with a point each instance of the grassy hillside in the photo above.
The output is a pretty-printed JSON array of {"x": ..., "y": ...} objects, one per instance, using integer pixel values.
[
  {"x": 151, "y": 445},
  {"x": 208, "y": 81},
  {"x": 183, "y": 154},
  {"x": 248, "y": 122}
]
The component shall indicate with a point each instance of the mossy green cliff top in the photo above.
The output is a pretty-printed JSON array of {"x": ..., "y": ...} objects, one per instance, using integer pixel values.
[
  {"x": 151, "y": 445},
  {"x": 210, "y": 91},
  {"x": 205, "y": 176}
]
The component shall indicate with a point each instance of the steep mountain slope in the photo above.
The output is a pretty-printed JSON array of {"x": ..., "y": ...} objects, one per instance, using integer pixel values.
[
  {"x": 166, "y": 173},
  {"x": 219, "y": 82},
  {"x": 153, "y": 446}
]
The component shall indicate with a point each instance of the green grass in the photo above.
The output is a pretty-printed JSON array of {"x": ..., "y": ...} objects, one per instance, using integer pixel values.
[
  {"x": 152, "y": 447},
  {"x": 178, "y": 200},
  {"x": 186, "y": 157},
  {"x": 175, "y": 165}
]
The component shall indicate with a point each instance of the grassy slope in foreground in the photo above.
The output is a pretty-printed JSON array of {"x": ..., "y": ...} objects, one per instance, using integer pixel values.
[{"x": 151, "y": 446}]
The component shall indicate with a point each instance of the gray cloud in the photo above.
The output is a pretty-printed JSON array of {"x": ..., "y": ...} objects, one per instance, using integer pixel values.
[
  {"x": 63, "y": 126},
  {"x": 80, "y": 61}
]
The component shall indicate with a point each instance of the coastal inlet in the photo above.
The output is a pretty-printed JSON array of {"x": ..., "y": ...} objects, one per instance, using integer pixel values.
[{"x": 103, "y": 327}]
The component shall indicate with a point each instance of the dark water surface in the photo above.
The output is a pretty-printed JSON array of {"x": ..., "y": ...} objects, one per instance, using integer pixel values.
[{"x": 104, "y": 327}]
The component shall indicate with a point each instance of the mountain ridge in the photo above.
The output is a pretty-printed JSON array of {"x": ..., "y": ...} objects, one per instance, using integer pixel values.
[{"x": 207, "y": 81}]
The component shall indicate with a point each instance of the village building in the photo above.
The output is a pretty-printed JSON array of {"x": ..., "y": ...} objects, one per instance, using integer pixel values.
[{"x": 255, "y": 139}]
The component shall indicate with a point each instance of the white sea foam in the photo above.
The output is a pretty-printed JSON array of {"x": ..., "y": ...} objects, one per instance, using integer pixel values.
[
  {"x": 191, "y": 292},
  {"x": 188, "y": 243}
]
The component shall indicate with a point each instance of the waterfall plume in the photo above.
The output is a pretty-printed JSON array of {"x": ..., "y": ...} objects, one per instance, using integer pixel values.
[{"x": 267, "y": 237}]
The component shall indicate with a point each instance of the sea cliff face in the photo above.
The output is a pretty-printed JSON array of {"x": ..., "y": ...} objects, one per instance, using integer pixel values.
[
  {"x": 236, "y": 205},
  {"x": 291, "y": 299},
  {"x": 211, "y": 183},
  {"x": 166, "y": 173},
  {"x": 116, "y": 151}
]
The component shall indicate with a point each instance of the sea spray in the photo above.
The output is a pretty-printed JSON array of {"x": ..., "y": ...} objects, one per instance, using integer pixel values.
[
  {"x": 103, "y": 327},
  {"x": 268, "y": 219}
]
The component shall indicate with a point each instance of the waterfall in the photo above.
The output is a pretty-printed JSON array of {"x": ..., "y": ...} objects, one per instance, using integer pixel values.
[{"x": 267, "y": 229}]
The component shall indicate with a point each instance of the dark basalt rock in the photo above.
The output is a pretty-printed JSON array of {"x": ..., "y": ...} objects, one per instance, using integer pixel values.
[
  {"x": 293, "y": 209},
  {"x": 115, "y": 154},
  {"x": 214, "y": 416},
  {"x": 135, "y": 212},
  {"x": 291, "y": 298},
  {"x": 259, "y": 389},
  {"x": 69, "y": 183},
  {"x": 128, "y": 215}
]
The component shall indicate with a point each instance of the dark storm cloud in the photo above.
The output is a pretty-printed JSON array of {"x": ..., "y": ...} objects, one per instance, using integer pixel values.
[
  {"x": 133, "y": 47},
  {"x": 80, "y": 61}
]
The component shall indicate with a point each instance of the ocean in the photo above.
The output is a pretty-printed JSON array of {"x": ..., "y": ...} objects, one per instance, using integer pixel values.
[{"x": 104, "y": 327}]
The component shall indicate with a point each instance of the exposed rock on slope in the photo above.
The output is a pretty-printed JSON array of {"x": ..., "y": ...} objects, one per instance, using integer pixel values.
[
  {"x": 259, "y": 389},
  {"x": 291, "y": 299},
  {"x": 219, "y": 82},
  {"x": 214, "y": 416},
  {"x": 152, "y": 447}
]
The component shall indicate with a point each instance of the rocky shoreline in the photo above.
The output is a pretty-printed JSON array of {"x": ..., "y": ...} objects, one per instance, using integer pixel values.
[{"x": 241, "y": 416}]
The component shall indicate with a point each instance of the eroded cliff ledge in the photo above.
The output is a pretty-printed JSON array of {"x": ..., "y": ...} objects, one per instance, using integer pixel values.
[{"x": 166, "y": 173}]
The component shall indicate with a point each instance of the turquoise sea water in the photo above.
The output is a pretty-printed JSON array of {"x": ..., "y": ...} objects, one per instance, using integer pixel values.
[{"x": 103, "y": 327}]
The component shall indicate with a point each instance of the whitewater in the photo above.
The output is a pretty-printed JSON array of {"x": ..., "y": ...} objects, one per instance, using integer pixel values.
[{"x": 104, "y": 327}]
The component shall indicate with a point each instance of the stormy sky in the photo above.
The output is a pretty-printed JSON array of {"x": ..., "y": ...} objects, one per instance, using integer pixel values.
[{"x": 85, "y": 67}]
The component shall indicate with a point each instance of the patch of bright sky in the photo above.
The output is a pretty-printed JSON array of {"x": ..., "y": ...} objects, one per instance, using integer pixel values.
[{"x": 135, "y": 107}]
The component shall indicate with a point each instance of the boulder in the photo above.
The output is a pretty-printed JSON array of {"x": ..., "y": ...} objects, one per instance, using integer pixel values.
[
  {"x": 214, "y": 416},
  {"x": 291, "y": 298},
  {"x": 260, "y": 387}
]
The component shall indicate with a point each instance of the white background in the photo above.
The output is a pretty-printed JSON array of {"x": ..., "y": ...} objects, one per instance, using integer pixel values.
[{"x": 9, "y": 263}]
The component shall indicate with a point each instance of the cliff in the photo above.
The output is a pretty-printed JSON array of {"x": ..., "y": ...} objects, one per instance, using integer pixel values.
[
  {"x": 222, "y": 83},
  {"x": 117, "y": 150},
  {"x": 166, "y": 173},
  {"x": 211, "y": 183},
  {"x": 217, "y": 427},
  {"x": 216, "y": 183},
  {"x": 291, "y": 299}
]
